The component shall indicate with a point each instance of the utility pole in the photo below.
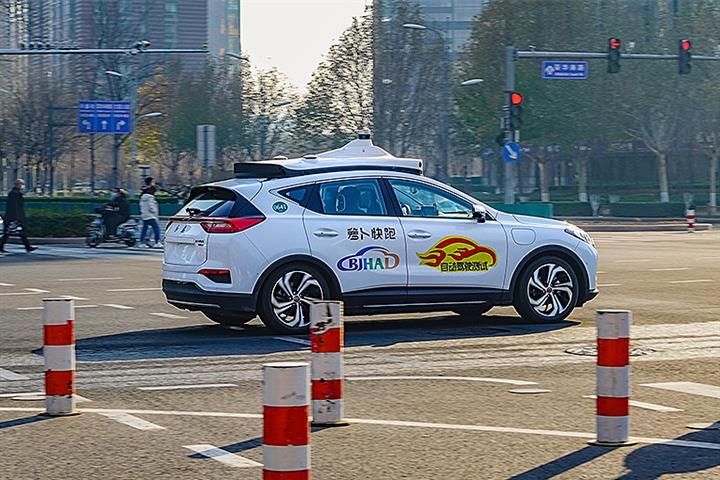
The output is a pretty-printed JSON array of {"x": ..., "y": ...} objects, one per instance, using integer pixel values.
[{"x": 510, "y": 135}]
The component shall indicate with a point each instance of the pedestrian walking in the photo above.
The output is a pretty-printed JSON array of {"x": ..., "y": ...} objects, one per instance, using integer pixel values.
[
  {"x": 15, "y": 221},
  {"x": 149, "y": 212}
]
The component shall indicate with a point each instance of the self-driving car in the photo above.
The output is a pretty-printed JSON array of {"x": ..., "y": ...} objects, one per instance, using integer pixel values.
[{"x": 359, "y": 225}]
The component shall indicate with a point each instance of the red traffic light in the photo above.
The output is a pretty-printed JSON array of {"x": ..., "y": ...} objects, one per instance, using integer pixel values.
[
  {"x": 685, "y": 45},
  {"x": 516, "y": 98},
  {"x": 615, "y": 44}
]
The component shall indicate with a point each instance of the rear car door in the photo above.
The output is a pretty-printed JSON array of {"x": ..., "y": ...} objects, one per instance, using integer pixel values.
[
  {"x": 349, "y": 227},
  {"x": 446, "y": 246}
]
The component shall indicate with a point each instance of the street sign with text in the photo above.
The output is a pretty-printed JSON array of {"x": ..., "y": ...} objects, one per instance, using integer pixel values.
[
  {"x": 98, "y": 116},
  {"x": 565, "y": 70}
]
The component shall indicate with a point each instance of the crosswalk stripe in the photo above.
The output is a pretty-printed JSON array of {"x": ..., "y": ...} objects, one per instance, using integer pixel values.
[
  {"x": 132, "y": 421},
  {"x": 223, "y": 456}
]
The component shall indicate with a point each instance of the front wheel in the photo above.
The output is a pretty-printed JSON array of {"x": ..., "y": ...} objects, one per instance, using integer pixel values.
[
  {"x": 284, "y": 302},
  {"x": 547, "y": 290}
]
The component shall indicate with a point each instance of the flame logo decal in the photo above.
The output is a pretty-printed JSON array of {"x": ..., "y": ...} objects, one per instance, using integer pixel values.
[{"x": 454, "y": 253}]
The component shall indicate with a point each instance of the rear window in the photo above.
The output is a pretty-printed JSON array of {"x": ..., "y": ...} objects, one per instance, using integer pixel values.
[{"x": 214, "y": 202}]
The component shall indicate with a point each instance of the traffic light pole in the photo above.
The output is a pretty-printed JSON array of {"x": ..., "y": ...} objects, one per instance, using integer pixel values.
[{"x": 512, "y": 55}]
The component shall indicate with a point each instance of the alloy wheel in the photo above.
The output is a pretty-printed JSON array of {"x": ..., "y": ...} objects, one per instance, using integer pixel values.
[
  {"x": 291, "y": 297},
  {"x": 550, "y": 290}
]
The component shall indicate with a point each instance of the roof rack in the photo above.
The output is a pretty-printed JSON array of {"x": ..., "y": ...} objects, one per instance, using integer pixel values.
[{"x": 359, "y": 154}]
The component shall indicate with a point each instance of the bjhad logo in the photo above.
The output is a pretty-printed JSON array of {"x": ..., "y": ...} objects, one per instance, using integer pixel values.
[
  {"x": 369, "y": 258},
  {"x": 459, "y": 254}
]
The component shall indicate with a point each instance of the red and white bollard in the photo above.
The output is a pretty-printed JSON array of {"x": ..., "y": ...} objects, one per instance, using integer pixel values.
[
  {"x": 326, "y": 337},
  {"x": 691, "y": 220},
  {"x": 286, "y": 430},
  {"x": 613, "y": 378},
  {"x": 59, "y": 353}
]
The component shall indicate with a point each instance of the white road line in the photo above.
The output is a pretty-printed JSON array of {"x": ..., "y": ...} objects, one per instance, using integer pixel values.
[
  {"x": 119, "y": 307},
  {"x": 6, "y": 284},
  {"x": 29, "y": 308},
  {"x": 29, "y": 291},
  {"x": 8, "y": 375},
  {"x": 86, "y": 306},
  {"x": 646, "y": 406},
  {"x": 678, "y": 269},
  {"x": 688, "y": 387},
  {"x": 632, "y": 261},
  {"x": 21, "y": 394},
  {"x": 293, "y": 340},
  {"x": 70, "y": 297},
  {"x": 609, "y": 285},
  {"x": 168, "y": 315},
  {"x": 89, "y": 279},
  {"x": 222, "y": 456},
  {"x": 182, "y": 387},
  {"x": 149, "y": 289},
  {"x": 704, "y": 280},
  {"x": 132, "y": 421},
  {"x": 397, "y": 423},
  {"x": 600, "y": 273},
  {"x": 466, "y": 379}
]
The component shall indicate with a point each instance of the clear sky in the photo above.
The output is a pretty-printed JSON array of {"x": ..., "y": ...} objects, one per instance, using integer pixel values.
[{"x": 293, "y": 35}]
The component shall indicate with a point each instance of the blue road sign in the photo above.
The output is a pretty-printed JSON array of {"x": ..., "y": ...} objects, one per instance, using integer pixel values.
[
  {"x": 511, "y": 152},
  {"x": 570, "y": 70},
  {"x": 96, "y": 116}
]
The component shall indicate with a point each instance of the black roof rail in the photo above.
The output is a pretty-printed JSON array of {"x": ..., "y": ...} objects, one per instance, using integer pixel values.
[{"x": 274, "y": 170}]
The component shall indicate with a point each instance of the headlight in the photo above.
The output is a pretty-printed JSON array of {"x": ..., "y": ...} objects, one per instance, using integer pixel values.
[{"x": 580, "y": 235}]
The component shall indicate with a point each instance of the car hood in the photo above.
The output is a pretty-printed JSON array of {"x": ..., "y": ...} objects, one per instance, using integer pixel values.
[{"x": 539, "y": 221}]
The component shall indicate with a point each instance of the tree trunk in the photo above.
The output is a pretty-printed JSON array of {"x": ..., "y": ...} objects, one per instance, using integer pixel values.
[
  {"x": 582, "y": 167},
  {"x": 713, "y": 180},
  {"x": 663, "y": 177},
  {"x": 542, "y": 173}
]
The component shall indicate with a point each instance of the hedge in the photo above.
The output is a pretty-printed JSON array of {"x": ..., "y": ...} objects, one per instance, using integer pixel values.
[
  {"x": 627, "y": 209},
  {"x": 572, "y": 209},
  {"x": 49, "y": 223}
]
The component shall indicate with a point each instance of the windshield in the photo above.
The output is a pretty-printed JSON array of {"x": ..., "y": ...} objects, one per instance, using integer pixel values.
[{"x": 215, "y": 202}]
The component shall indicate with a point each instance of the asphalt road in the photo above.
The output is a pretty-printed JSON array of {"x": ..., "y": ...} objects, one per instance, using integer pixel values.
[{"x": 467, "y": 425}]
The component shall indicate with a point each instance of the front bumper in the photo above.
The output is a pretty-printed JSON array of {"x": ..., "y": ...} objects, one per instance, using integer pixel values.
[{"x": 189, "y": 296}]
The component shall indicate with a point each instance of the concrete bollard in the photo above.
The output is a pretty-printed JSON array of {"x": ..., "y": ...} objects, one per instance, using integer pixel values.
[
  {"x": 286, "y": 430},
  {"x": 613, "y": 378},
  {"x": 691, "y": 220},
  {"x": 59, "y": 353},
  {"x": 326, "y": 370}
]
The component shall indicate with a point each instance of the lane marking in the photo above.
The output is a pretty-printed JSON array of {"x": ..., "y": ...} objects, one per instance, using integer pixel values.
[
  {"x": 86, "y": 306},
  {"x": 293, "y": 340},
  {"x": 687, "y": 387},
  {"x": 632, "y": 261},
  {"x": 704, "y": 280},
  {"x": 132, "y": 421},
  {"x": 119, "y": 307},
  {"x": 28, "y": 291},
  {"x": 646, "y": 406},
  {"x": 678, "y": 269},
  {"x": 149, "y": 289},
  {"x": 8, "y": 375},
  {"x": 37, "y": 396},
  {"x": 609, "y": 285},
  {"x": 6, "y": 284},
  {"x": 222, "y": 456},
  {"x": 70, "y": 297},
  {"x": 467, "y": 379},
  {"x": 88, "y": 279},
  {"x": 182, "y": 387},
  {"x": 398, "y": 423},
  {"x": 29, "y": 308},
  {"x": 600, "y": 272},
  {"x": 168, "y": 315}
]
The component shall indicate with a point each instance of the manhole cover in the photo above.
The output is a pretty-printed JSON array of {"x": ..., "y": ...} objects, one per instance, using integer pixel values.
[
  {"x": 591, "y": 351},
  {"x": 474, "y": 332}
]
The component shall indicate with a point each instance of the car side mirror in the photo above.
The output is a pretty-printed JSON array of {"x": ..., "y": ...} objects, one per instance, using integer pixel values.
[{"x": 479, "y": 213}]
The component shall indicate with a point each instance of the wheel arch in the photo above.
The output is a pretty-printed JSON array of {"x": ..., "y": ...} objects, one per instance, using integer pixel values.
[
  {"x": 566, "y": 254},
  {"x": 307, "y": 259}
]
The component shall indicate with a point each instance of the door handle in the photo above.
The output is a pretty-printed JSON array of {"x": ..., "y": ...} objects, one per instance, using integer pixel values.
[
  {"x": 325, "y": 233},
  {"x": 419, "y": 234}
]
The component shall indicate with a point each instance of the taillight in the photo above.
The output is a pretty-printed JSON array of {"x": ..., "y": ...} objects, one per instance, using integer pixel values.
[
  {"x": 229, "y": 225},
  {"x": 217, "y": 275}
]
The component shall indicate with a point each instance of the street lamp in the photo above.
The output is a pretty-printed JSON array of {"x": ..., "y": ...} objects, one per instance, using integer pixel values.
[{"x": 445, "y": 127}]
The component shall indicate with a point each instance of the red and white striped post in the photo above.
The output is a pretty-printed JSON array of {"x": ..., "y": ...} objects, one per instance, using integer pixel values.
[
  {"x": 691, "y": 220},
  {"x": 326, "y": 368},
  {"x": 613, "y": 378},
  {"x": 286, "y": 430},
  {"x": 59, "y": 353}
]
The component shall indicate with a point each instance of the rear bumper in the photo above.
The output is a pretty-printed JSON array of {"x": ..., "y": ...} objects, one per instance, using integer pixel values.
[{"x": 189, "y": 296}]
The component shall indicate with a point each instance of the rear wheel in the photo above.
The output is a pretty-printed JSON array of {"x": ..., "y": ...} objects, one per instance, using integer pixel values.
[
  {"x": 547, "y": 290},
  {"x": 229, "y": 319},
  {"x": 284, "y": 302}
]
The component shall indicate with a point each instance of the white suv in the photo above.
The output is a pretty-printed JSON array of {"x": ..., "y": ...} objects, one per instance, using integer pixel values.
[{"x": 362, "y": 226}]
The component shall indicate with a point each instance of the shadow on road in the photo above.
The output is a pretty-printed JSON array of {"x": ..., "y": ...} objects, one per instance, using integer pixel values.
[
  {"x": 213, "y": 340},
  {"x": 648, "y": 462},
  {"x": 16, "y": 422}
]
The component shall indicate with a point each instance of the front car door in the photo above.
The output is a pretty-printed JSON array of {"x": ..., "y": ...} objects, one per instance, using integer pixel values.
[
  {"x": 446, "y": 246},
  {"x": 350, "y": 228}
]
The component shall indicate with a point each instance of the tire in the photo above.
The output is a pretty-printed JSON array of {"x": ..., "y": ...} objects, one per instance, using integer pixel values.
[
  {"x": 475, "y": 310},
  {"x": 92, "y": 241},
  {"x": 229, "y": 319},
  {"x": 130, "y": 242},
  {"x": 282, "y": 315},
  {"x": 539, "y": 302}
]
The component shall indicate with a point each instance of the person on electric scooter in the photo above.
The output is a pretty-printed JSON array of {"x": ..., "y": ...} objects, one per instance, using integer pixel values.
[{"x": 116, "y": 212}]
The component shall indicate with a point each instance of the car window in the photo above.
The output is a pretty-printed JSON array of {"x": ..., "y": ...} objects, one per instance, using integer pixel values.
[
  {"x": 421, "y": 200},
  {"x": 352, "y": 197},
  {"x": 296, "y": 194},
  {"x": 210, "y": 203}
]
